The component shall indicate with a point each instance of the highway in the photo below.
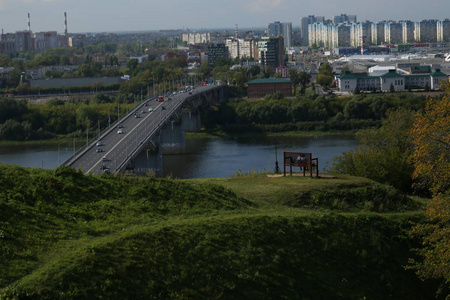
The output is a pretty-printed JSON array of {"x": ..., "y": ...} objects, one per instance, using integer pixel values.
[{"x": 118, "y": 148}]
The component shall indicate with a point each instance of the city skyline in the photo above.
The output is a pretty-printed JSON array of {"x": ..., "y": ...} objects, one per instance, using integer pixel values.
[{"x": 142, "y": 15}]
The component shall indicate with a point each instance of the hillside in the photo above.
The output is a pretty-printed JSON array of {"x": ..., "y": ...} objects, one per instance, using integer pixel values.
[{"x": 70, "y": 236}]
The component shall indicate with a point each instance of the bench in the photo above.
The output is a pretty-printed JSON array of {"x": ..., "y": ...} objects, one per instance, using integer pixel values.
[{"x": 301, "y": 160}]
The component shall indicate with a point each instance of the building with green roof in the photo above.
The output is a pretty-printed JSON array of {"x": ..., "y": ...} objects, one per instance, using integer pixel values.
[
  {"x": 260, "y": 87},
  {"x": 349, "y": 82}
]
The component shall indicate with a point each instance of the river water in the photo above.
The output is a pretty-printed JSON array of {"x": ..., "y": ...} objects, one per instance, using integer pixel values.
[{"x": 203, "y": 157}]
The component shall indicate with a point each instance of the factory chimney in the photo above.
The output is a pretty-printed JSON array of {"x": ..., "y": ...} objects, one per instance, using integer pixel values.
[
  {"x": 65, "y": 23},
  {"x": 29, "y": 23}
]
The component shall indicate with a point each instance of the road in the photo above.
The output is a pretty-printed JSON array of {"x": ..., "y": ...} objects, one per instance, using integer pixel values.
[{"x": 117, "y": 148}]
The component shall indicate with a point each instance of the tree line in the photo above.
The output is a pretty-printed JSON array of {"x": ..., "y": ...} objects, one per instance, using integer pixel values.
[
  {"x": 20, "y": 121},
  {"x": 313, "y": 112}
]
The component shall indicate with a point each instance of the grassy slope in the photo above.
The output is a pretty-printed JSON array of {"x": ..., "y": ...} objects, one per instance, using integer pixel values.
[{"x": 67, "y": 235}]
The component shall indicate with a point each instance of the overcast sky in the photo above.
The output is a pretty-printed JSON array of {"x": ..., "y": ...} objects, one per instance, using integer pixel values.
[{"x": 130, "y": 15}]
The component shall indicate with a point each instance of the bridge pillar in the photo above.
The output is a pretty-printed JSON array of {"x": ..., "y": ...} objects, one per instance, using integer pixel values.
[
  {"x": 149, "y": 159},
  {"x": 191, "y": 121},
  {"x": 172, "y": 137}
]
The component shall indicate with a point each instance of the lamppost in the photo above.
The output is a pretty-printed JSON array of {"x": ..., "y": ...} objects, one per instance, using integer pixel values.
[{"x": 277, "y": 168}]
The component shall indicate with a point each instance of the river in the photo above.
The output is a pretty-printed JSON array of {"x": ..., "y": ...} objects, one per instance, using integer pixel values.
[{"x": 203, "y": 157}]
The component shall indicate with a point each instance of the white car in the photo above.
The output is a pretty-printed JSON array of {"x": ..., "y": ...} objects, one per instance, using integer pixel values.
[
  {"x": 150, "y": 109},
  {"x": 120, "y": 131}
]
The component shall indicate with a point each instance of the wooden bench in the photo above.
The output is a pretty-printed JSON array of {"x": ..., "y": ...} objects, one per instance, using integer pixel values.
[{"x": 301, "y": 160}]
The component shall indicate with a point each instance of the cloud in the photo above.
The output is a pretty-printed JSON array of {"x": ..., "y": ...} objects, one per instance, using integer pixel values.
[{"x": 258, "y": 6}]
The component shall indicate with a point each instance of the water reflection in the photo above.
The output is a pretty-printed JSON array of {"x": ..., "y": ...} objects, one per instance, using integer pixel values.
[
  {"x": 202, "y": 157},
  {"x": 205, "y": 157}
]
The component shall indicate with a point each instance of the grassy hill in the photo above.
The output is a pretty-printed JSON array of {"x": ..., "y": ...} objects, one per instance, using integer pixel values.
[{"x": 64, "y": 235}]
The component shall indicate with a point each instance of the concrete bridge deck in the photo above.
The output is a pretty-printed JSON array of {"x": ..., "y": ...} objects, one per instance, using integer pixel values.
[{"x": 125, "y": 139}]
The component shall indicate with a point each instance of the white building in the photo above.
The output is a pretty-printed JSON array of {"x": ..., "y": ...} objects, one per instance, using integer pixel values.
[
  {"x": 349, "y": 82},
  {"x": 196, "y": 38},
  {"x": 242, "y": 48}
]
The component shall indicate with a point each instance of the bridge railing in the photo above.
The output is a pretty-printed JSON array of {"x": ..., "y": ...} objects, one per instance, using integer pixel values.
[
  {"x": 156, "y": 128},
  {"x": 105, "y": 131}
]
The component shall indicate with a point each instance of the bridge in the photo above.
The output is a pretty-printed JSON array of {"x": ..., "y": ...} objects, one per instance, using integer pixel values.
[{"x": 136, "y": 141}]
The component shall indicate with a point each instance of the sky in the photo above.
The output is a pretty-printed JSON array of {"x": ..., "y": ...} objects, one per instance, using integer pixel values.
[{"x": 142, "y": 15}]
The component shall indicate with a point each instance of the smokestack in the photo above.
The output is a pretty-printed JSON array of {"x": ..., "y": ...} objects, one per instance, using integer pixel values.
[
  {"x": 65, "y": 23},
  {"x": 29, "y": 23}
]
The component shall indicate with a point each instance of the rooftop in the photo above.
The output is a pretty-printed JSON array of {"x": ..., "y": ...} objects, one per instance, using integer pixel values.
[{"x": 270, "y": 80}]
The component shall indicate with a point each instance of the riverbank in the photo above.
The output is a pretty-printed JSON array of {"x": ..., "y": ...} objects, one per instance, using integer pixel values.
[{"x": 221, "y": 134}]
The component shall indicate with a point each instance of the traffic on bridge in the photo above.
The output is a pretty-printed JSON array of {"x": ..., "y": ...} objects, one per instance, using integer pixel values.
[{"x": 116, "y": 146}]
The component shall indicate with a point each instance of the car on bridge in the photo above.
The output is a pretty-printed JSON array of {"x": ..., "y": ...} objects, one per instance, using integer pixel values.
[
  {"x": 120, "y": 131},
  {"x": 98, "y": 150},
  {"x": 150, "y": 109},
  {"x": 99, "y": 143},
  {"x": 120, "y": 126}
]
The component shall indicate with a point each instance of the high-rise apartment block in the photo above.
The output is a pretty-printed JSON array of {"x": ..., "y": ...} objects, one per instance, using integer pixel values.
[
  {"x": 242, "y": 48},
  {"x": 275, "y": 29},
  {"x": 23, "y": 41},
  {"x": 281, "y": 29},
  {"x": 443, "y": 28},
  {"x": 196, "y": 38},
  {"x": 349, "y": 33},
  {"x": 426, "y": 31},
  {"x": 305, "y": 21},
  {"x": 343, "y": 18},
  {"x": 216, "y": 51},
  {"x": 271, "y": 51}
]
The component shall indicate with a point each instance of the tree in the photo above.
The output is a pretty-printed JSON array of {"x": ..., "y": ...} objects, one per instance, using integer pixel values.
[
  {"x": 384, "y": 153},
  {"x": 255, "y": 70},
  {"x": 204, "y": 70},
  {"x": 304, "y": 80},
  {"x": 295, "y": 79},
  {"x": 268, "y": 71},
  {"x": 431, "y": 157},
  {"x": 326, "y": 69},
  {"x": 324, "y": 80},
  {"x": 325, "y": 77},
  {"x": 5, "y": 60},
  {"x": 391, "y": 88},
  {"x": 132, "y": 64}
]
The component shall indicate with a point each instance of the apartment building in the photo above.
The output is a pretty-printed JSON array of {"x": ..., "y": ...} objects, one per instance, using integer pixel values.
[
  {"x": 242, "y": 48},
  {"x": 271, "y": 51}
]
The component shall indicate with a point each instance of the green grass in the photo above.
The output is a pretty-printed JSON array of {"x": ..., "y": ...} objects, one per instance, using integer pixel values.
[{"x": 67, "y": 235}]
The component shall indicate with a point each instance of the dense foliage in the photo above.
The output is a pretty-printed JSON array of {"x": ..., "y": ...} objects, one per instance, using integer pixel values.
[
  {"x": 383, "y": 154},
  {"x": 431, "y": 158},
  {"x": 308, "y": 113},
  {"x": 20, "y": 121},
  {"x": 65, "y": 234}
]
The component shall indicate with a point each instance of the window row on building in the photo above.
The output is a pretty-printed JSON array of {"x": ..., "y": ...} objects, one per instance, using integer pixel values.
[
  {"x": 23, "y": 41},
  {"x": 349, "y": 82},
  {"x": 258, "y": 88},
  {"x": 351, "y": 34},
  {"x": 269, "y": 50}
]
